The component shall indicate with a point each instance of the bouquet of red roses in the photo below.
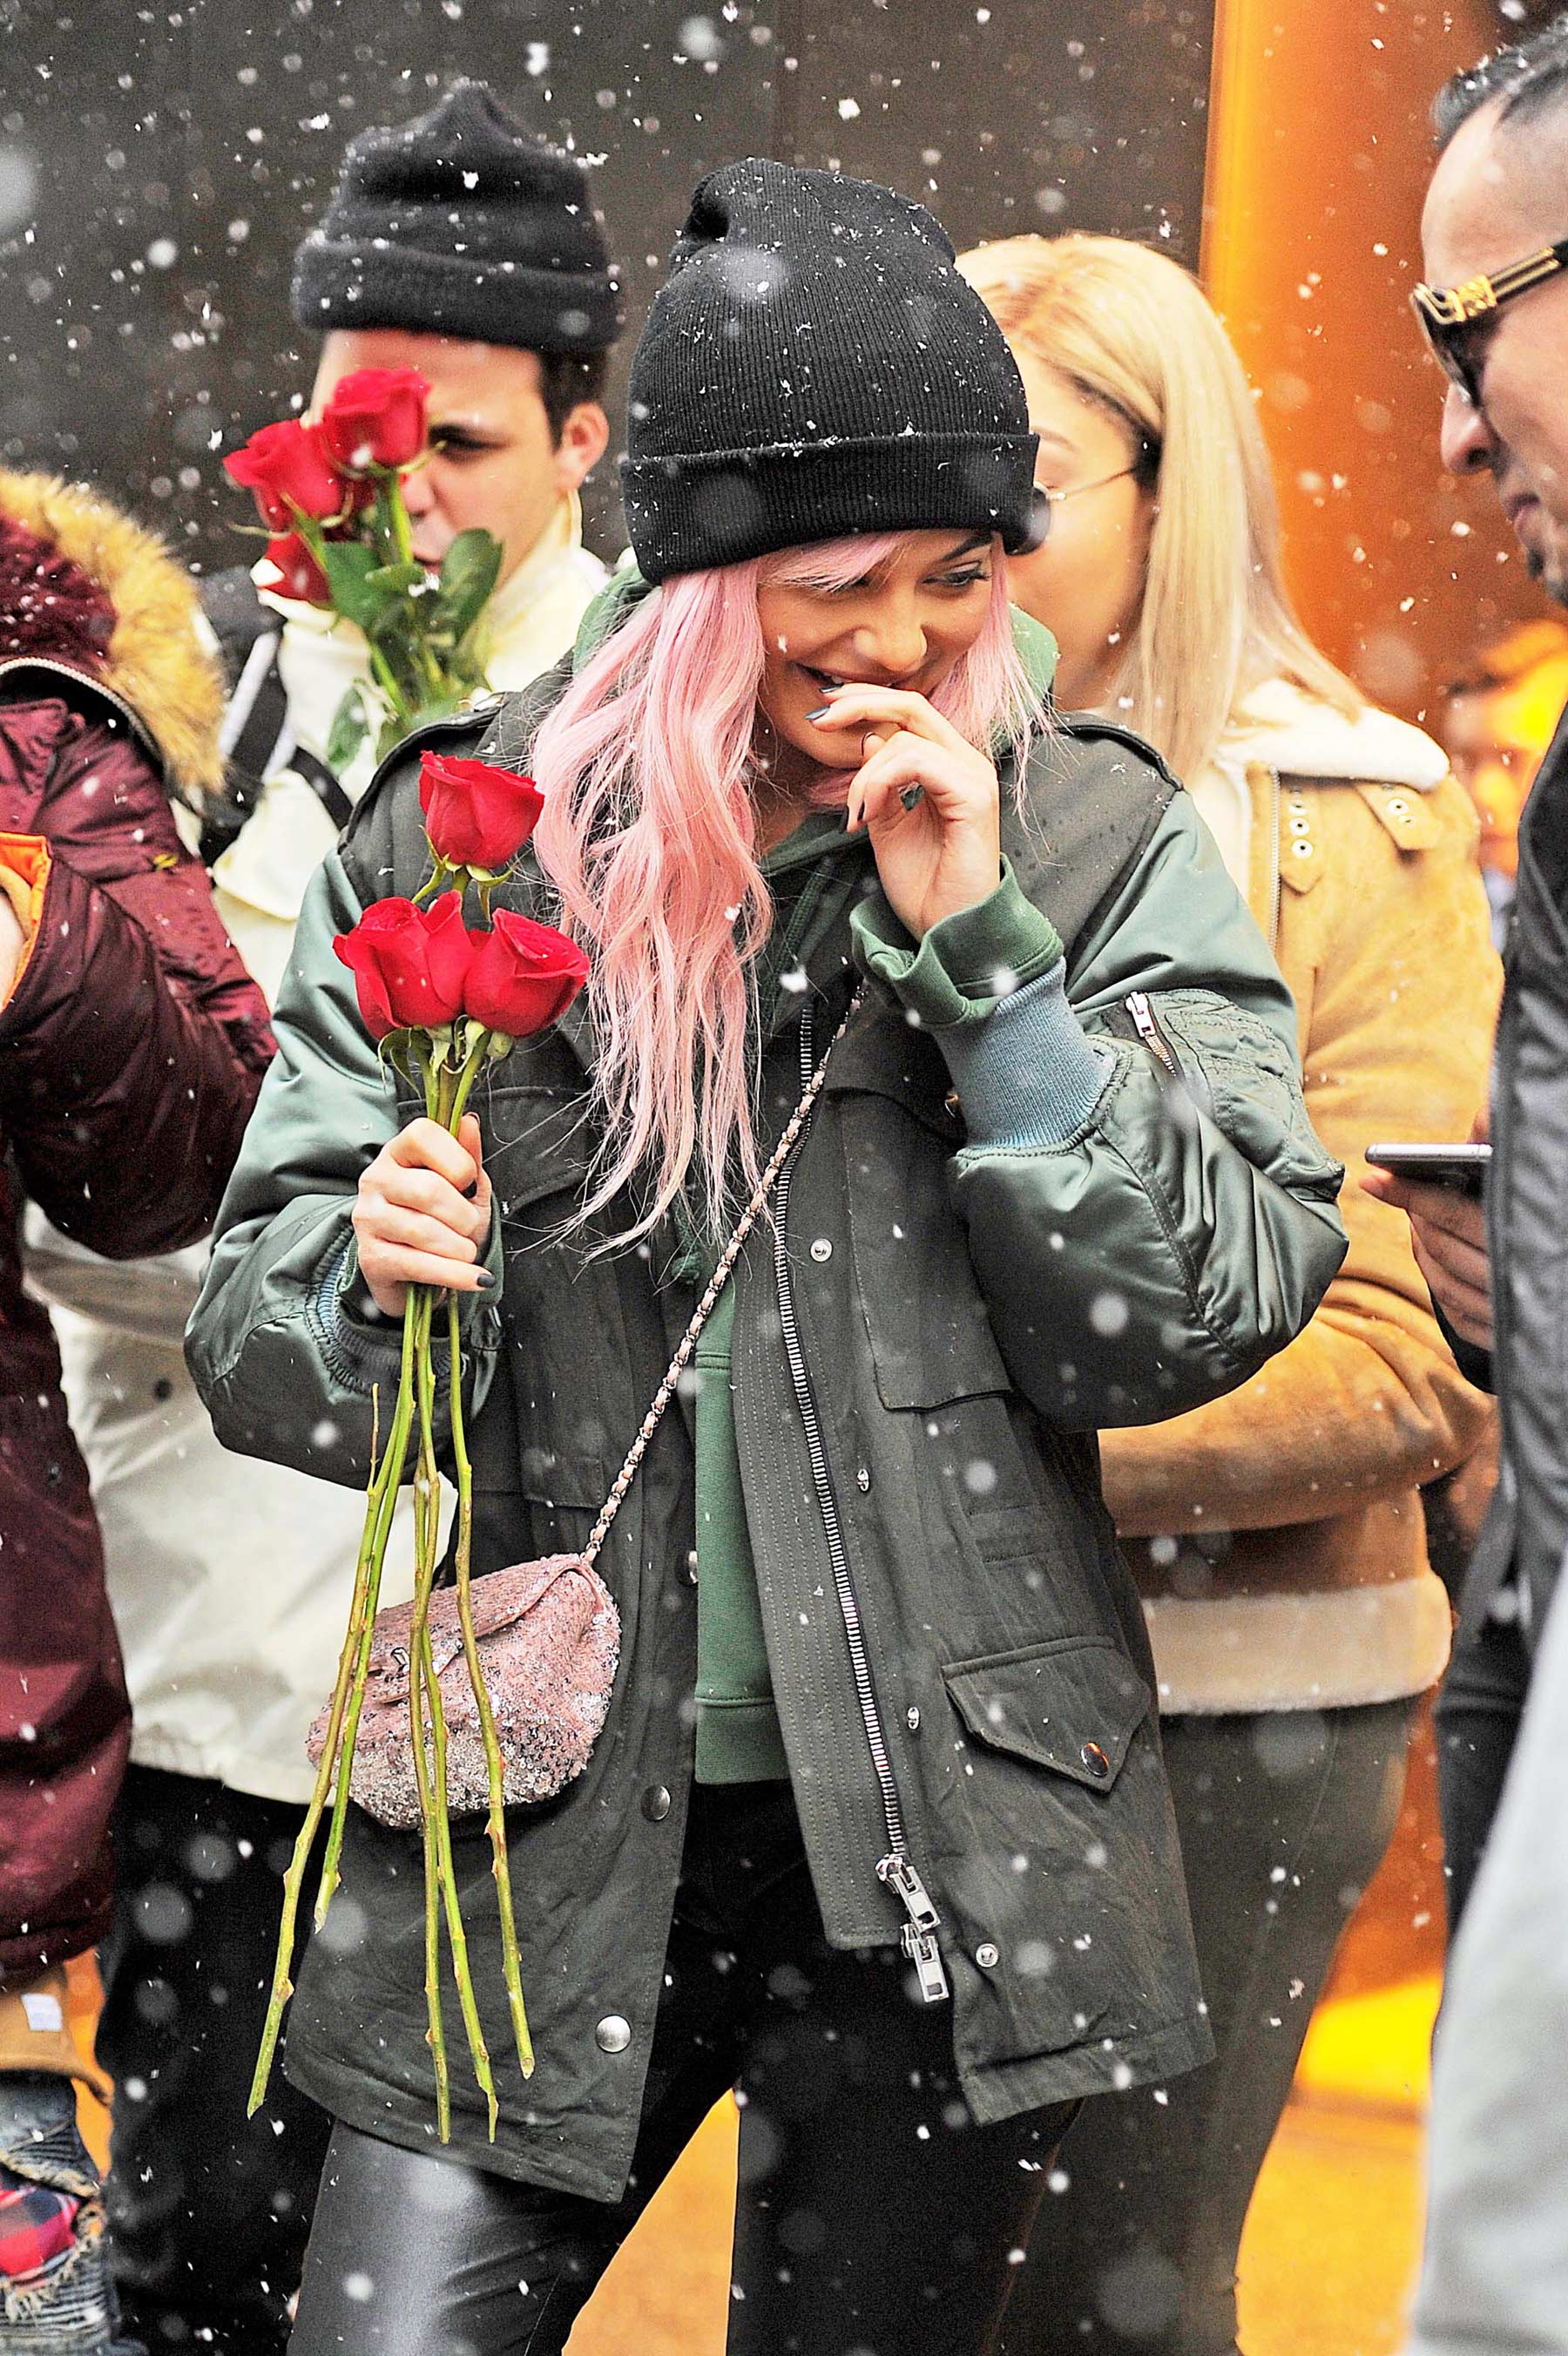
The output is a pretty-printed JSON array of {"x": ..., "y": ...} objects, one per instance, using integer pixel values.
[
  {"x": 329, "y": 492},
  {"x": 442, "y": 1000}
]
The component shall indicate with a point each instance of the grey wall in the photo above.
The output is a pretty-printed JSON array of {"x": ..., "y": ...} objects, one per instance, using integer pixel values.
[{"x": 157, "y": 165}]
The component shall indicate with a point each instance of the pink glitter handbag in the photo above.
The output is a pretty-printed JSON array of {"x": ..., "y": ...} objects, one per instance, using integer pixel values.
[{"x": 548, "y": 1632}]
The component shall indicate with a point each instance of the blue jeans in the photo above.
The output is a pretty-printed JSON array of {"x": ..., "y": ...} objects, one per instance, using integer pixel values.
[{"x": 70, "y": 2308}]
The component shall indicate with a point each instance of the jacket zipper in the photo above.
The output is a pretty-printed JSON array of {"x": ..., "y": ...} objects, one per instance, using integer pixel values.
[
  {"x": 1149, "y": 1031},
  {"x": 896, "y": 1870}
]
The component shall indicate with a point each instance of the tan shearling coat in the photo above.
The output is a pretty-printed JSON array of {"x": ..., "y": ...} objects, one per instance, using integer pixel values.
[{"x": 1277, "y": 1534}]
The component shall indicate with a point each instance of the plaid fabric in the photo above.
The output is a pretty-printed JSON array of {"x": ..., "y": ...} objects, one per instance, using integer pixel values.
[{"x": 37, "y": 2224}]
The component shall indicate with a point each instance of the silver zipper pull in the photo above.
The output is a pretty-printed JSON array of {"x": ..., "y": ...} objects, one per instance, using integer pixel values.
[
  {"x": 921, "y": 1949},
  {"x": 1148, "y": 1029},
  {"x": 918, "y": 1937}
]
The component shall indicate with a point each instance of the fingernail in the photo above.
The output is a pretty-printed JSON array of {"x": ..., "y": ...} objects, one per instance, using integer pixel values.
[
  {"x": 910, "y": 794},
  {"x": 483, "y": 1279},
  {"x": 821, "y": 712}
]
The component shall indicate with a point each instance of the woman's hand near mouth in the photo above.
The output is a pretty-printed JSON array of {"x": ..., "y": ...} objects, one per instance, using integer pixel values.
[{"x": 928, "y": 800}]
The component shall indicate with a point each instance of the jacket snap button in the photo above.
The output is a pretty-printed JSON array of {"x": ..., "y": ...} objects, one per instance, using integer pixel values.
[
  {"x": 821, "y": 1250},
  {"x": 656, "y": 1803},
  {"x": 1094, "y": 1759},
  {"x": 912, "y": 1717},
  {"x": 987, "y": 1956},
  {"x": 689, "y": 1568},
  {"x": 612, "y": 2034}
]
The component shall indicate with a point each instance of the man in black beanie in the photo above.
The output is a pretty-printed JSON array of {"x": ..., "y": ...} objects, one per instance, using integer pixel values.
[
  {"x": 464, "y": 246},
  {"x": 461, "y": 245}
]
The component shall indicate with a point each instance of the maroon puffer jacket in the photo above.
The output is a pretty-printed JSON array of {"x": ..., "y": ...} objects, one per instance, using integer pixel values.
[{"x": 131, "y": 1051}]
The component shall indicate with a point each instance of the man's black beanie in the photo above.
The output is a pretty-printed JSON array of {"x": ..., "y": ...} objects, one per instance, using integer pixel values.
[
  {"x": 461, "y": 224},
  {"x": 813, "y": 367}
]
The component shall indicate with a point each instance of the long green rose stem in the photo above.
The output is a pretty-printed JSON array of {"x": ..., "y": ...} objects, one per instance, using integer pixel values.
[
  {"x": 446, "y": 1094},
  {"x": 419, "y": 1656},
  {"x": 496, "y": 1822},
  {"x": 428, "y": 1507},
  {"x": 347, "y": 1693},
  {"x": 382, "y": 1506}
]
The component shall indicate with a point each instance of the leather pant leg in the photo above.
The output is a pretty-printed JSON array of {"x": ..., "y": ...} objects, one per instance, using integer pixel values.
[{"x": 872, "y": 2216}]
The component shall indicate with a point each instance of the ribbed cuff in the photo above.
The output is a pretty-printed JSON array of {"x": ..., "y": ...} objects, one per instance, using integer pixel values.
[
  {"x": 368, "y": 1337},
  {"x": 1026, "y": 1077},
  {"x": 968, "y": 964}
]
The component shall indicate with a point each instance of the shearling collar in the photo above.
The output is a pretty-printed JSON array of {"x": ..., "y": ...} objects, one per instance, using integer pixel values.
[
  {"x": 153, "y": 660},
  {"x": 1298, "y": 735}
]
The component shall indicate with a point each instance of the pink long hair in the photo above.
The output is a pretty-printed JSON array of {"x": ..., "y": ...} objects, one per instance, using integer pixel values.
[{"x": 648, "y": 837}]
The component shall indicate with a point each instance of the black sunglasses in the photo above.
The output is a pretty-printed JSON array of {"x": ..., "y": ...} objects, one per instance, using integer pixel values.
[{"x": 1451, "y": 316}]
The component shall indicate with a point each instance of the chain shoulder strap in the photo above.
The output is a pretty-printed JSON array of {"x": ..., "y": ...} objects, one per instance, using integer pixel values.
[{"x": 716, "y": 1283}]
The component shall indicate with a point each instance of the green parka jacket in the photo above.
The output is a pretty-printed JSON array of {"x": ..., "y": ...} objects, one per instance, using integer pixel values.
[{"x": 918, "y": 1373}]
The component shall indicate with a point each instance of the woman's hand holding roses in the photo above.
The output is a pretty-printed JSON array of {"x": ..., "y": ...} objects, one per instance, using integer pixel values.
[{"x": 423, "y": 1213}]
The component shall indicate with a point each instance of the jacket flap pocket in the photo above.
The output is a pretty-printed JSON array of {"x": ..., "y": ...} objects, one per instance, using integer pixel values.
[
  {"x": 883, "y": 1055},
  {"x": 1070, "y": 1705}
]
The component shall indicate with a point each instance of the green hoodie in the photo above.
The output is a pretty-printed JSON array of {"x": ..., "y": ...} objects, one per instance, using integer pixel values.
[{"x": 816, "y": 876}]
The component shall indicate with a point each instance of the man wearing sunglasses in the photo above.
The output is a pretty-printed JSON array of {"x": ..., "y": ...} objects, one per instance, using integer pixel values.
[
  {"x": 1495, "y": 312},
  {"x": 1494, "y": 2276}
]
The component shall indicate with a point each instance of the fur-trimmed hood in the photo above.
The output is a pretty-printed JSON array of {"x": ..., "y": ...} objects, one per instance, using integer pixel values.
[{"x": 98, "y": 593}]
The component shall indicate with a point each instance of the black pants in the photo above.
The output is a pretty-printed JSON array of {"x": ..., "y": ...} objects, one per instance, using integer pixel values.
[
  {"x": 1477, "y": 1714},
  {"x": 1283, "y": 1819},
  {"x": 872, "y": 2216},
  {"x": 208, "y": 2211}
]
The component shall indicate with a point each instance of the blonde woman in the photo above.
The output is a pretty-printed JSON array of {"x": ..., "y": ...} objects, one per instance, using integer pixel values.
[{"x": 1275, "y": 1534}]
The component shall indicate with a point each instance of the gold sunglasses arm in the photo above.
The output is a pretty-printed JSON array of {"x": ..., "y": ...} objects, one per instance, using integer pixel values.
[{"x": 1452, "y": 306}]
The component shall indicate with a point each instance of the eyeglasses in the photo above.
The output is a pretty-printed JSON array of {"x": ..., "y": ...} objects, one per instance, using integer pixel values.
[
  {"x": 1051, "y": 499},
  {"x": 1451, "y": 316}
]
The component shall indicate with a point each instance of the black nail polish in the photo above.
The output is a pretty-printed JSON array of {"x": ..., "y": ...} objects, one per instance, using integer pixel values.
[
  {"x": 821, "y": 712},
  {"x": 483, "y": 1280}
]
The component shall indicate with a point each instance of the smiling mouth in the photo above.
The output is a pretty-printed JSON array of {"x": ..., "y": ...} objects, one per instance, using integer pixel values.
[{"x": 842, "y": 678}]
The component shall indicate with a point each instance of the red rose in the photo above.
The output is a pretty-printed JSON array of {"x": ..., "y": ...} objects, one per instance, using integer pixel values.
[
  {"x": 409, "y": 964},
  {"x": 375, "y": 417},
  {"x": 523, "y": 976},
  {"x": 476, "y": 814},
  {"x": 288, "y": 470},
  {"x": 301, "y": 575}
]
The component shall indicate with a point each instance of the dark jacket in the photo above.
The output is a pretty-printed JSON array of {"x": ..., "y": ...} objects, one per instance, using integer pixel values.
[
  {"x": 132, "y": 1047},
  {"x": 1526, "y": 1530},
  {"x": 965, "y": 1318}
]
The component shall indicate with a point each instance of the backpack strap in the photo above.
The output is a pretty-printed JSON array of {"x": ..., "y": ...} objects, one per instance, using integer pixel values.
[{"x": 256, "y": 738}]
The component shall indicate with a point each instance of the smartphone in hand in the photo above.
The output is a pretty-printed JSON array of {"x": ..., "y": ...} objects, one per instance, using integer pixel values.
[{"x": 1461, "y": 1168}]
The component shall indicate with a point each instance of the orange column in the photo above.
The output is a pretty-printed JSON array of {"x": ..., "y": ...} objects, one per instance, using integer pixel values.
[{"x": 1319, "y": 153}]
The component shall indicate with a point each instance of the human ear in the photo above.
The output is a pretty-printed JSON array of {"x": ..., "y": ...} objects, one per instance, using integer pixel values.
[{"x": 584, "y": 438}]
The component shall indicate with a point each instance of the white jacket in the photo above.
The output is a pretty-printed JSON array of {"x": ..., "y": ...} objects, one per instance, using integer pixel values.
[{"x": 231, "y": 1576}]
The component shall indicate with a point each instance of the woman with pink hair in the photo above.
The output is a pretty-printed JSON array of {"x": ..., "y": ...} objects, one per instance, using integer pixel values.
[{"x": 877, "y": 1831}]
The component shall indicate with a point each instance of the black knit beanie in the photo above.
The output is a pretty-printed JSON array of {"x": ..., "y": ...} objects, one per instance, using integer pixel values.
[
  {"x": 813, "y": 367},
  {"x": 461, "y": 224}
]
